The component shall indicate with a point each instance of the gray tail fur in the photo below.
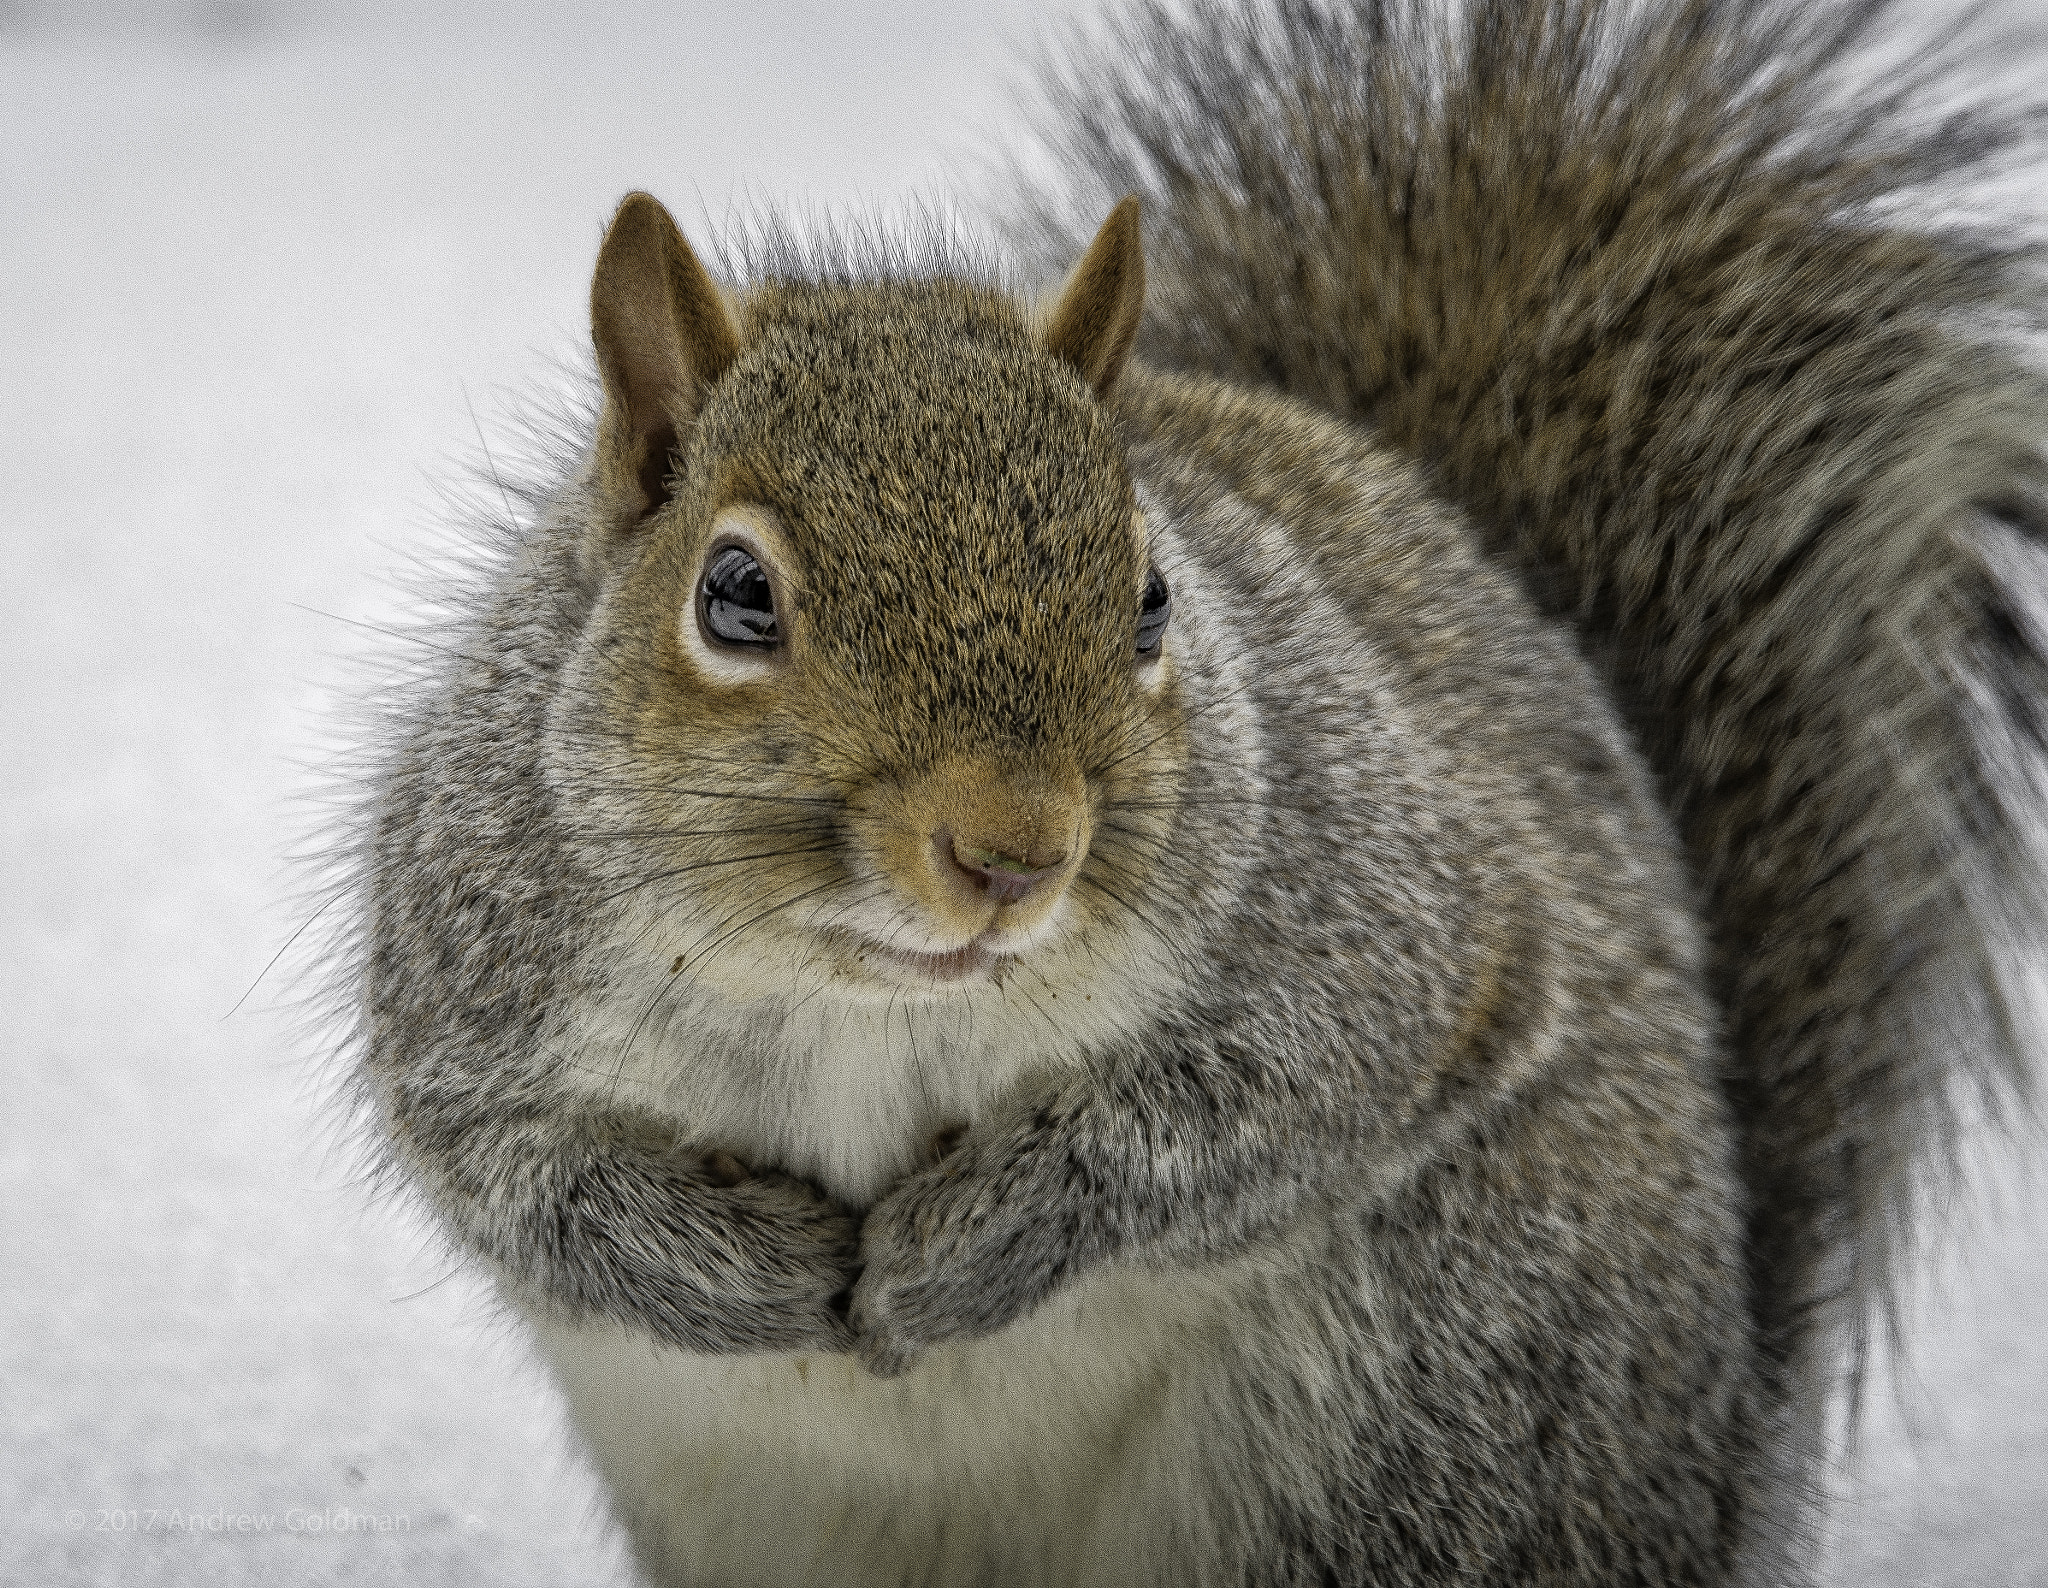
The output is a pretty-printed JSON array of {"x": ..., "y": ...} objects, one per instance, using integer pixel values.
[{"x": 1656, "y": 292}]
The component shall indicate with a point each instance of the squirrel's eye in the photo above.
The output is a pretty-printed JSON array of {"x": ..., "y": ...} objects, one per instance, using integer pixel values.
[
  {"x": 1153, "y": 611},
  {"x": 738, "y": 606}
]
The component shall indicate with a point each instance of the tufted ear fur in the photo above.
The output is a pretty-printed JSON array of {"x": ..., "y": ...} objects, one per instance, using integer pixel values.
[
  {"x": 1096, "y": 319},
  {"x": 663, "y": 336}
]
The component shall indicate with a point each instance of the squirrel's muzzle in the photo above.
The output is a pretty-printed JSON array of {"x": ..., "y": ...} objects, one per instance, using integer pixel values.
[{"x": 984, "y": 845}]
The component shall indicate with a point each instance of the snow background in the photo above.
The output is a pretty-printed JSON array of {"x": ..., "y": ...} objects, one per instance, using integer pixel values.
[{"x": 259, "y": 264}]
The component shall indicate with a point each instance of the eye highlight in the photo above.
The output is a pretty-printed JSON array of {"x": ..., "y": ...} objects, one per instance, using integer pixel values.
[
  {"x": 1154, "y": 609},
  {"x": 736, "y": 602}
]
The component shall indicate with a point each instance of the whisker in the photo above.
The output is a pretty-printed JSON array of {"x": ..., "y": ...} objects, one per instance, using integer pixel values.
[
  {"x": 670, "y": 872},
  {"x": 271, "y": 964},
  {"x": 699, "y": 956},
  {"x": 388, "y": 632},
  {"x": 1172, "y": 726}
]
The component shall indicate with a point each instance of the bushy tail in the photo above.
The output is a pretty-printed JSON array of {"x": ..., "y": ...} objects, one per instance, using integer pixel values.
[{"x": 1652, "y": 292}]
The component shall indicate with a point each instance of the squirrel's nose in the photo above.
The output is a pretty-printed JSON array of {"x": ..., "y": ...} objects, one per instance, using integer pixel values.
[{"x": 1002, "y": 878}]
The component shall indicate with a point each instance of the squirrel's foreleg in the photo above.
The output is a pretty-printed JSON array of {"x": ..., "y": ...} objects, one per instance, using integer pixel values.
[{"x": 613, "y": 1219}]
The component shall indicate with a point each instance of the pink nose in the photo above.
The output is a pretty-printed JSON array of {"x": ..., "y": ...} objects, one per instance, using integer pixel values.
[{"x": 1002, "y": 878}]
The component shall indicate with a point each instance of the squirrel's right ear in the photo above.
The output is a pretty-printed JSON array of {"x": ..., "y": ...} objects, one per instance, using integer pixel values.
[
  {"x": 663, "y": 336},
  {"x": 1095, "y": 321}
]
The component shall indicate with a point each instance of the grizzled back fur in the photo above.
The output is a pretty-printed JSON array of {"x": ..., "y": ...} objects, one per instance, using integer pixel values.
[{"x": 1632, "y": 282}]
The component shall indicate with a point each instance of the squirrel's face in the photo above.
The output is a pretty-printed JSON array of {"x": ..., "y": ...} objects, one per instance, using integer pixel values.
[
  {"x": 889, "y": 673},
  {"x": 905, "y": 577}
]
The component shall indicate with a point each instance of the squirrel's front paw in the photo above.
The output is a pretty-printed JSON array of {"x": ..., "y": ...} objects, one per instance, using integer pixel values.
[
  {"x": 899, "y": 1305},
  {"x": 944, "y": 1259},
  {"x": 789, "y": 1260}
]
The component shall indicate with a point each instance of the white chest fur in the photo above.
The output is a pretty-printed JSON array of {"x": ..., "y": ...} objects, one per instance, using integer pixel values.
[{"x": 1041, "y": 1455}]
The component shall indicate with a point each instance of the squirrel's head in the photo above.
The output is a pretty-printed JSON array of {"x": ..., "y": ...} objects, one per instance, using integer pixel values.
[{"x": 881, "y": 654}]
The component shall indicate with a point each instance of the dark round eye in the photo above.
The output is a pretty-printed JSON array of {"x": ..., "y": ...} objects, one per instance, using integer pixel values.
[
  {"x": 1153, "y": 611},
  {"x": 738, "y": 606}
]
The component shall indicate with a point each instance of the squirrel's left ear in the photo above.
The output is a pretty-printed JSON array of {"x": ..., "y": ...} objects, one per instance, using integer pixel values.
[
  {"x": 663, "y": 336},
  {"x": 1095, "y": 321}
]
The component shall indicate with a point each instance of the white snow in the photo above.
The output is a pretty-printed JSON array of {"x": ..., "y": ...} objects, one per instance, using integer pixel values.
[{"x": 257, "y": 263}]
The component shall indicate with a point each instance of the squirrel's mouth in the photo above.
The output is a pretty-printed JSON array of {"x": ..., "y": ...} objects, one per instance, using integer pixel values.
[{"x": 969, "y": 962}]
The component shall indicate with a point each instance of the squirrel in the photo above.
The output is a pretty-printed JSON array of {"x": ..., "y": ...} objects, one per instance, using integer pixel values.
[{"x": 1300, "y": 913}]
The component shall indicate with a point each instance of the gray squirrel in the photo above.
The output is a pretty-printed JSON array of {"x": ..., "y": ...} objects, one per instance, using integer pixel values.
[{"x": 1300, "y": 914}]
